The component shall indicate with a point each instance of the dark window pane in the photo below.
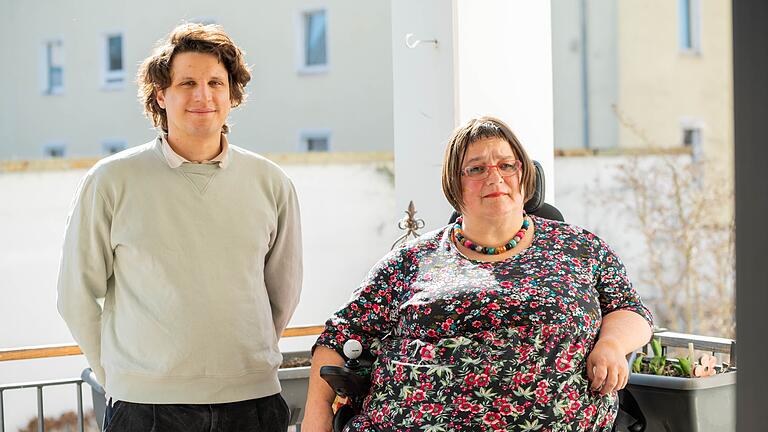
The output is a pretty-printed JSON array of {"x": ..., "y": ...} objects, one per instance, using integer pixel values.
[
  {"x": 317, "y": 144},
  {"x": 115, "y": 44}
]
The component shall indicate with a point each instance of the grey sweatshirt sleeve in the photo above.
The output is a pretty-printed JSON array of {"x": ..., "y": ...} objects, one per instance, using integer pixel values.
[
  {"x": 85, "y": 268},
  {"x": 283, "y": 264}
]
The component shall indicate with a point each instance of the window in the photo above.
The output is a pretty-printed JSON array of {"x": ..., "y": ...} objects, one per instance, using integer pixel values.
[
  {"x": 689, "y": 17},
  {"x": 110, "y": 147},
  {"x": 114, "y": 73},
  {"x": 315, "y": 141},
  {"x": 314, "y": 53},
  {"x": 53, "y": 53},
  {"x": 319, "y": 144},
  {"x": 55, "y": 150},
  {"x": 692, "y": 136}
]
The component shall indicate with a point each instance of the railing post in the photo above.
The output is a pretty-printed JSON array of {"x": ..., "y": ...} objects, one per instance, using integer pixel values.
[
  {"x": 80, "y": 419},
  {"x": 40, "y": 416},
  {"x": 2, "y": 416}
]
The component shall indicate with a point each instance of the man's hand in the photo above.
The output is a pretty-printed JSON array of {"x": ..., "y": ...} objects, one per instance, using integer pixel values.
[{"x": 607, "y": 368}]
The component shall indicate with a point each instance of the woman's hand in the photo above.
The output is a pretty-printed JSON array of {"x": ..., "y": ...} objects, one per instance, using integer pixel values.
[{"x": 607, "y": 367}]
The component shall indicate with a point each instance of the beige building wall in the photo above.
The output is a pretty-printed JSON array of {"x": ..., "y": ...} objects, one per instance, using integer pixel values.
[
  {"x": 351, "y": 100},
  {"x": 662, "y": 88}
]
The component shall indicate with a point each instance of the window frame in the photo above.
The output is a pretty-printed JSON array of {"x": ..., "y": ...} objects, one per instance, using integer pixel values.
[
  {"x": 301, "y": 46},
  {"x": 55, "y": 145},
  {"x": 697, "y": 127},
  {"x": 689, "y": 42},
  {"x": 46, "y": 65},
  {"x": 308, "y": 134},
  {"x": 112, "y": 80}
]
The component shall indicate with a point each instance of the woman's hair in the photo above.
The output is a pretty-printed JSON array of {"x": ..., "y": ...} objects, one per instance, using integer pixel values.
[
  {"x": 155, "y": 72},
  {"x": 475, "y": 130}
]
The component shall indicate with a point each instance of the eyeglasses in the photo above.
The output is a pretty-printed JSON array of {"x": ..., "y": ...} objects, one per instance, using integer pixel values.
[{"x": 481, "y": 172}]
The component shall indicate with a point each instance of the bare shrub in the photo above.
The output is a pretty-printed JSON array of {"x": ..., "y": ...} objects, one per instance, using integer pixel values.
[{"x": 683, "y": 206}]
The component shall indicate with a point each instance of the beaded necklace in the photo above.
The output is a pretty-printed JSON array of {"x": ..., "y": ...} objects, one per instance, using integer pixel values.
[{"x": 458, "y": 235}]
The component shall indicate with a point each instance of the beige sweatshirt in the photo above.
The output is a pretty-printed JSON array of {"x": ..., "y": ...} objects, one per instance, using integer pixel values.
[{"x": 199, "y": 268}]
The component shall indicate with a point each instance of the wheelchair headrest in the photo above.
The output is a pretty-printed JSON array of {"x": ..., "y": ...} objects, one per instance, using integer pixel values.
[{"x": 537, "y": 199}]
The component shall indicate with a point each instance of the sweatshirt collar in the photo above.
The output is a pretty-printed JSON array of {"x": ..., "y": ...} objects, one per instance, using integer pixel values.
[{"x": 174, "y": 160}]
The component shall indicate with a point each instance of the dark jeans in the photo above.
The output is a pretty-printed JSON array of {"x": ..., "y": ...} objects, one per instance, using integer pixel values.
[{"x": 268, "y": 414}]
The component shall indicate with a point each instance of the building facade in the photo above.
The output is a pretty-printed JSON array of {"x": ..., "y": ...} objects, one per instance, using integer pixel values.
[
  {"x": 322, "y": 74},
  {"x": 644, "y": 73}
]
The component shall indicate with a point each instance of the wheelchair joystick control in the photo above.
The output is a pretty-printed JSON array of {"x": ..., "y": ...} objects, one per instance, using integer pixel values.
[
  {"x": 353, "y": 379},
  {"x": 352, "y": 350}
]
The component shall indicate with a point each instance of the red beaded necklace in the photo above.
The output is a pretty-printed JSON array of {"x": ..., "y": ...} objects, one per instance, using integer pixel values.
[{"x": 458, "y": 235}]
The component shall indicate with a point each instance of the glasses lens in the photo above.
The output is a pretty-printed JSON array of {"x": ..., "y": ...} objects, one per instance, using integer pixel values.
[
  {"x": 509, "y": 167},
  {"x": 476, "y": 171}
]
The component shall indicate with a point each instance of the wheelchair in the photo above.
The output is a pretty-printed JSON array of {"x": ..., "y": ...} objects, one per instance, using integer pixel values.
[{"x": 352, "y": 381}]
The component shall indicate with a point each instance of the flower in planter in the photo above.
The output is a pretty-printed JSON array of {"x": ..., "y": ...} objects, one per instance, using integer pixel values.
[{"x": 706, "y": 366}]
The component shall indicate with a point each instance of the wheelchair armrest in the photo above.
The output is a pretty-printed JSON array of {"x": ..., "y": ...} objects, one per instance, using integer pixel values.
[{"x": 345, "y": 382}]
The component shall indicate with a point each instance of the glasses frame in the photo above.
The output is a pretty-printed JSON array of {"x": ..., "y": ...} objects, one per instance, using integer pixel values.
[{"x": 487, "y": 174}]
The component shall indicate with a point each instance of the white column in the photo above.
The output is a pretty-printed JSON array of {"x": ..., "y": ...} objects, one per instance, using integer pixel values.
[{"x": 493, "y": 57}]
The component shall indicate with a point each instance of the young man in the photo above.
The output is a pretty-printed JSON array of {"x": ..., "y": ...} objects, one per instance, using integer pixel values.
[{"x": 194, "y": 245}]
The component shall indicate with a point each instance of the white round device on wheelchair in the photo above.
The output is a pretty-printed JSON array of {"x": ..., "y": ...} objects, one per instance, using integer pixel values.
[{"x": 353, "y": 349}]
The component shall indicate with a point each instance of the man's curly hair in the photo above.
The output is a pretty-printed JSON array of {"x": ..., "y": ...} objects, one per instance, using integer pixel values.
[{"x": 155, "y": 72}]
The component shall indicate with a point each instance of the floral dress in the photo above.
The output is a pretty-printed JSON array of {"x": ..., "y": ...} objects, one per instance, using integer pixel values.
[{"x": 466, "y": 345}]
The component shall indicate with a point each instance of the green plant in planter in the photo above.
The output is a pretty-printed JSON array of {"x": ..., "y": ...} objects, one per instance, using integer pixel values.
[
  {"x": 659, "y": 364},
  {"x": 637, "y": 365},
  {"x": 684, "y": 366},
  {"x": 658, "y": 361}
]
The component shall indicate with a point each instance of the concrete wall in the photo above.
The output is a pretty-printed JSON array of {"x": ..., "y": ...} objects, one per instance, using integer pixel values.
[{"x": 352, "y": 99}]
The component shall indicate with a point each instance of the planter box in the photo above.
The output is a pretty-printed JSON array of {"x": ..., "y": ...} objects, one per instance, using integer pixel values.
[
  {"x": 688, "y": 404},
  {"x": 294, "y": 382}
]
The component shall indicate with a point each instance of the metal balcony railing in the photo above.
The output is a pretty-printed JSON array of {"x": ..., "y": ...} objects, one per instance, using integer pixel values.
[{"x": 51, "y": 351}]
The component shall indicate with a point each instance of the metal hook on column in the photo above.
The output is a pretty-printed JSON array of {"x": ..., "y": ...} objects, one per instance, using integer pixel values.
[{"x": 414, "y": 43}]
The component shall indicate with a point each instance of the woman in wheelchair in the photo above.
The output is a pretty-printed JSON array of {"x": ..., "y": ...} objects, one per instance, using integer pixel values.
[{"x": 500, "y": 321}]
